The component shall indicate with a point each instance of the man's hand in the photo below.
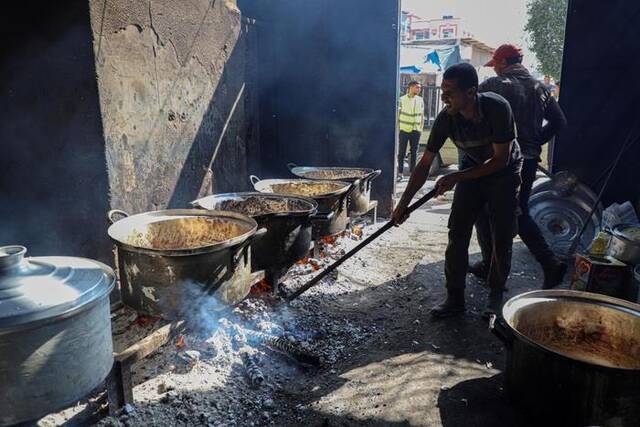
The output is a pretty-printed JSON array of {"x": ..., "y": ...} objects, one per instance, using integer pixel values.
[
  {"x": 399, "y": 214},
  {"x": 446, "y": 183}
]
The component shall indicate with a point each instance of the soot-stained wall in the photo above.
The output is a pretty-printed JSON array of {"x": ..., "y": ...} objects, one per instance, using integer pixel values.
[
  {"x": 601, "y": 96},
  {"x": 53, "y": 176},
  {"x": 328, "y": 85},
  {"x": 175, "y": 98}
]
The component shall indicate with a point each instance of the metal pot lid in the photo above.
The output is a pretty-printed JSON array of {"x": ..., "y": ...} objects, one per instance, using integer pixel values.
[
  {"x": 630, "y": 232},
  {"x": 47, "y": 288},
  {"x": 561, "y": 218}
]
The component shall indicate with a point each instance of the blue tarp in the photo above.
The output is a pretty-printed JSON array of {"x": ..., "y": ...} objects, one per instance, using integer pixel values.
[
  {"x": 444, "y": 58},
  {"x": 417, "y": 60},
  {"x": 411, "y": 69}
]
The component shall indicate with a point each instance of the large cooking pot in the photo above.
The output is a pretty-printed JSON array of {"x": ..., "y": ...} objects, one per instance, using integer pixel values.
[
  {"x": 331, "y": 197},
  {"x": 625, "y": 243},
  {"x": 55, "y": 332},
  {"x": 560, "y": 206},
  {"x": 573, "y": 358},
  {"x": 287, "y": 220},
  {"x": 361, "y": 178},
  {"x": 169, "y": 260}
]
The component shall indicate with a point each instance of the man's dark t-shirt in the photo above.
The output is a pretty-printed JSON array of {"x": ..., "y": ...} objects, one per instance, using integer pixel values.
[
  {"x": 475, "y": 139},
  {"x": 531, "y": 103}
]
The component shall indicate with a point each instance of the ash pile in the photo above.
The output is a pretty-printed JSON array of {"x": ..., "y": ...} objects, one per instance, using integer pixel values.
[{"x": 234, "y": 367}]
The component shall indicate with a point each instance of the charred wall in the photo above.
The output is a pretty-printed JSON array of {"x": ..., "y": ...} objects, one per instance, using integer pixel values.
[
  {"x": 328, "y": 85},
  {"x": 136, "y": 105},
  {"x": 601, "y": 96},
  {"x": 53, "y": 176},
  {"x": 176, "y": 102}
]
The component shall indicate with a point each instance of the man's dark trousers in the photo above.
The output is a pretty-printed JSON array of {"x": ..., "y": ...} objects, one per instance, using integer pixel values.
[
  {"x": 527, "y": 228},
  {"x": 412, "y": 138},
  {"x": 499, "y": 195}
]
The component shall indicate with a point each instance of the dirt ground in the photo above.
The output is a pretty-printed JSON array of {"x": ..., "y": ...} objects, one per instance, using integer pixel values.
[
  {"x": 386, "y": 362},
  {"x": 416, "y": 371}
]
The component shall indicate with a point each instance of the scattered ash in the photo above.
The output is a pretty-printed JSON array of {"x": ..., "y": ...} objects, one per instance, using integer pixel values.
[{"x": 229, "y": 377}]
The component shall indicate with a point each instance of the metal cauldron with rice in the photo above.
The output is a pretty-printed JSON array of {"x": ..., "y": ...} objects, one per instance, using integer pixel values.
[
  {"x": 361, "y": 179},
  {"x": 573, "y": 358},
  {"x": 331, "y": 197},
  {"x": 166, "y": 260},
  {"x": 287, "y": 219}
]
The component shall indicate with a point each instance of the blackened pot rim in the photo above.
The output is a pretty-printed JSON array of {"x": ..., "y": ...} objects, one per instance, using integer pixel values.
[{"x": 220, "y": 197}]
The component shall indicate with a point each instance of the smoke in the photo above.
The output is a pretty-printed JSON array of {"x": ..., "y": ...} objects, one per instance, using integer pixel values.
[
  {"x": 53, "y": 182},
  {"x": 206, "y": 313},
  {"x": 332, "y": 100}
]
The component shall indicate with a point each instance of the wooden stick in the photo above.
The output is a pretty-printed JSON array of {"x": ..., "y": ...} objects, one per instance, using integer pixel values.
[
  {"x": 424, "y": 199},
  {"x": 150, "y": 343}
]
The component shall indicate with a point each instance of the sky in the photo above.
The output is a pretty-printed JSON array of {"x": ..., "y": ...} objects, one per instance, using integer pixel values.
[{"x": 493, "y": 22}]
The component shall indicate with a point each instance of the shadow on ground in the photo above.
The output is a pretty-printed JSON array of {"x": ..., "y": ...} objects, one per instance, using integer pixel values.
[{"x": 412, "y": 371}]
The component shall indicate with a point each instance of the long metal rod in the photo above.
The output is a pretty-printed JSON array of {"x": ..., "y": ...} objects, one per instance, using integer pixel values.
[
  {"x": 424, "y": 199},
  {"x": 574, "y": 245}
]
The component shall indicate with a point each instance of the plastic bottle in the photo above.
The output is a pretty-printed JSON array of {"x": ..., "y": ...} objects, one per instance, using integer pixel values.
[{"x": 600, "y": 244}]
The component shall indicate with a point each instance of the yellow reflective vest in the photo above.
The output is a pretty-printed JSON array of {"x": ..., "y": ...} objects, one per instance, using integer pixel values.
[{"x": 410, "y": 113}]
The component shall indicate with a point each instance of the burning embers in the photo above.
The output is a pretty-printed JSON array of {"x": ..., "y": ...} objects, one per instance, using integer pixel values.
[
  {"x": 325, "y": 251},
  {"x": 261, "y": 289}
]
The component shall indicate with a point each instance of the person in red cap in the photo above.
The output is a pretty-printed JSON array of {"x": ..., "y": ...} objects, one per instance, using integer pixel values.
[{"x": 531, "y": 103}]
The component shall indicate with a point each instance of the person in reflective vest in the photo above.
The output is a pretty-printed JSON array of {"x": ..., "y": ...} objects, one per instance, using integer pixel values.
[{"x": 411, "y": 123}]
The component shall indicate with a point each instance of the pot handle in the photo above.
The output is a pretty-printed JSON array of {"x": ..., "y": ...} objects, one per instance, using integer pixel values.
[
  {"x": 291, "y": 166},
  {"x": 322, "y": 217},
  {"x": 254, "y": 179},
  {"x": 259, "y": 234},
  {"x": 256, "y": 236},
  {"x": 499, "y": 328},
  {"x": 372, "y": 175},
  {"x": 351, "y": 189},
  {"x": 111, "y": 215}
]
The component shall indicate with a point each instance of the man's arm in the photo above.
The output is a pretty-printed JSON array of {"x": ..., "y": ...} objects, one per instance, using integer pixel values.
[
  {"x": 418, "y": 178},
  {"x": 437, "y": 137},
  {"x": 556, "y": 120},
  {"x": 498, "y": 161}
]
